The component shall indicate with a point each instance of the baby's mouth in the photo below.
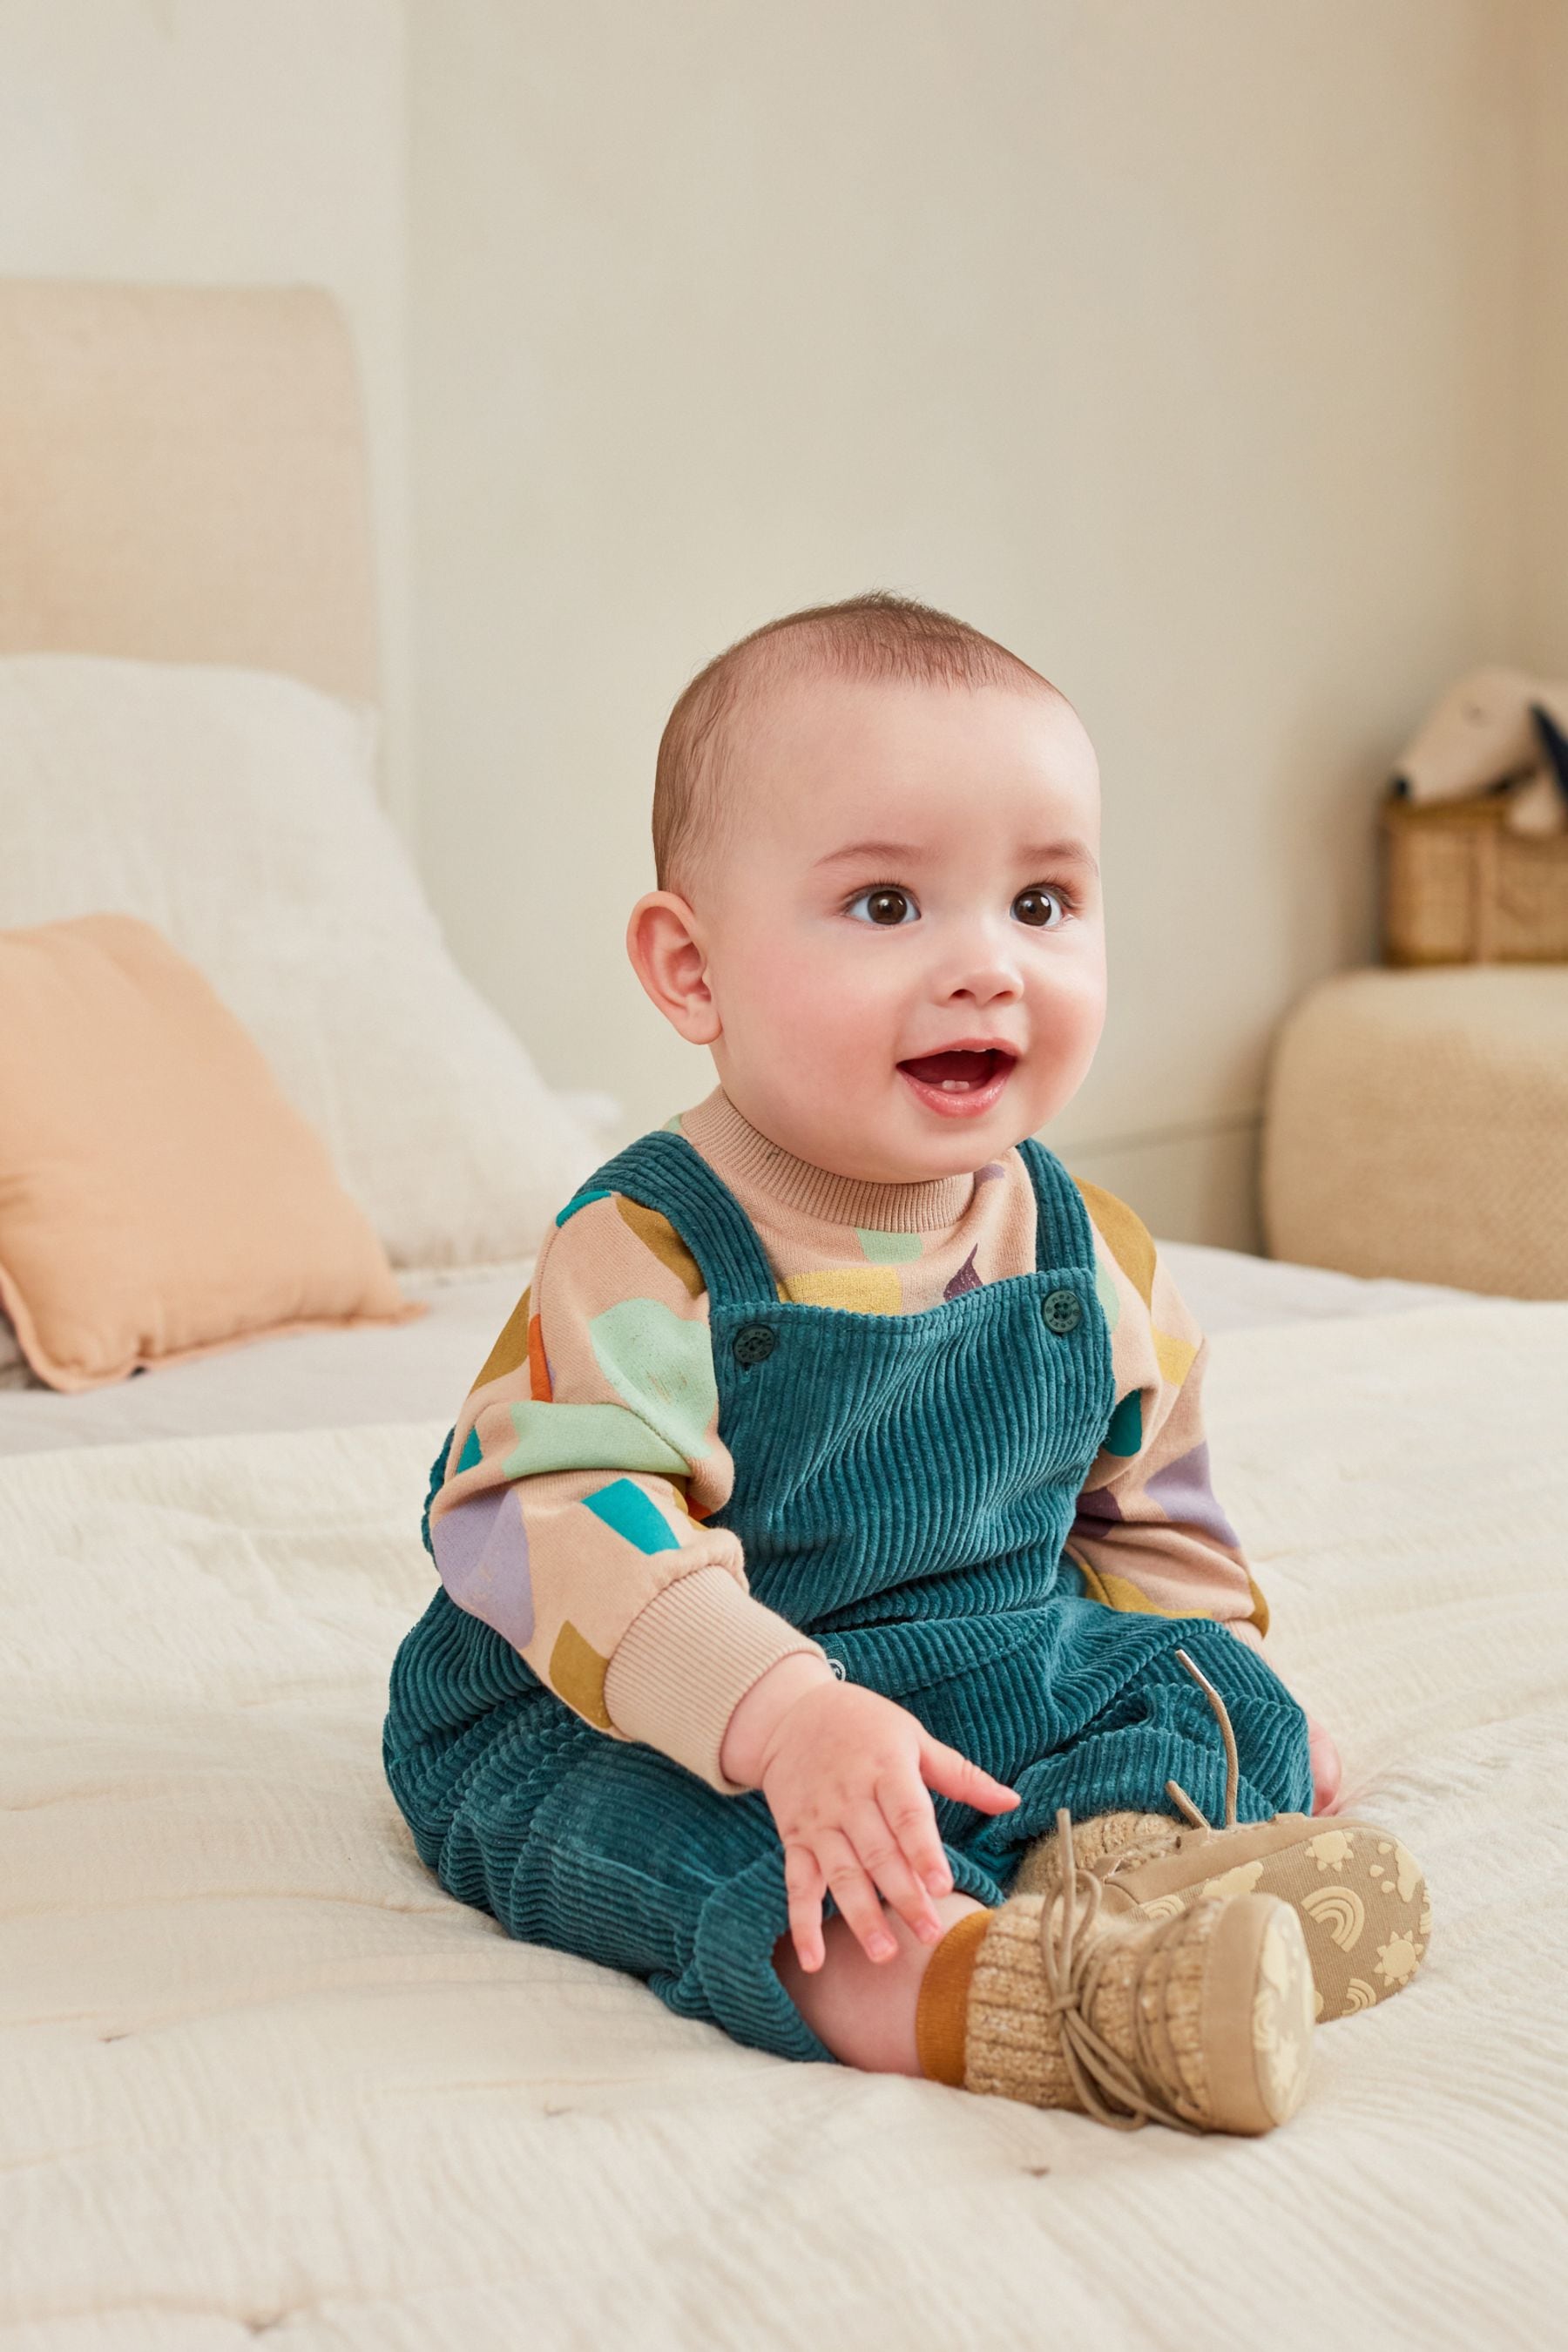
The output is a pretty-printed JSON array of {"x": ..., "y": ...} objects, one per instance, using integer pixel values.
[{"x": 960, "y": 1083}]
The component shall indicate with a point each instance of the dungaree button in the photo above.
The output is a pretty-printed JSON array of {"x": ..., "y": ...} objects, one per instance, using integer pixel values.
[
  {"x": 755, "y": 1342},
  {"x": 1060, "y": 1309}
]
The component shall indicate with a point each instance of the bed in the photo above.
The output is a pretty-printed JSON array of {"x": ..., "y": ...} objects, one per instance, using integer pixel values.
[{"x": 262, "y": 2078}]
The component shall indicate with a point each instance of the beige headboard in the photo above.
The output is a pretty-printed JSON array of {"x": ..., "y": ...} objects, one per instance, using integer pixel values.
[{"x": 183, "y": 478}]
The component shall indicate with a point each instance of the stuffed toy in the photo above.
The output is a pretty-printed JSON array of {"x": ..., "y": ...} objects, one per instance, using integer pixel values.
[{"x": 1497, "y": 732}]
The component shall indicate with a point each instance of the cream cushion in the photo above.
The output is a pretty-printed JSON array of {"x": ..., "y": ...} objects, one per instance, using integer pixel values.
[
  {"x": 1417, "y": 1125},
  {"x": 159, "y": 1198},
  {"x": 236, "y": 810}
]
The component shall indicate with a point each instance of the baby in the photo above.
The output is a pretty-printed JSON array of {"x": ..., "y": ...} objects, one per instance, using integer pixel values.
[{"x": 830, "y": 1529}]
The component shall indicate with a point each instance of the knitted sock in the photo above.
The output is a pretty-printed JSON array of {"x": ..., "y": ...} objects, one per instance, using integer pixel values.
[
  {"x": 1013, "y": 2048},
  {"x": 942, "y": 2012}
]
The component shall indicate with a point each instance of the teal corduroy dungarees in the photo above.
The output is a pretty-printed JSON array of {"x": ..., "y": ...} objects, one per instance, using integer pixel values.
[{"x": 903, "y": 1488}]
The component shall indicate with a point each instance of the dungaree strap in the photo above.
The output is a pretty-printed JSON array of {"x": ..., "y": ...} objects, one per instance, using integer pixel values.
[
  {"x": 1063, "y": 1233},
  {"x": 663, "y": 1172}
]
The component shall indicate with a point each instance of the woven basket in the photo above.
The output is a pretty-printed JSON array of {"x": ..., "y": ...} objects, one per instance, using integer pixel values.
[{"x": 1459, "y": 887}]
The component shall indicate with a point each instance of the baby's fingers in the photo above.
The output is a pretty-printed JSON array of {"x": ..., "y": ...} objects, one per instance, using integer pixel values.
[
  {"x": 868, "y": 1833},
  {"x": 907, "y": 1809},
  {"x": 856, "y": 1896},
  {"x": 805, "y": 1886},
  {"x": 954, "y": 1775}
]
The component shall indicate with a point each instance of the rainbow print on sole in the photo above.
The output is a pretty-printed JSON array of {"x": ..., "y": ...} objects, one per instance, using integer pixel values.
[{"x": 1359, "y": 1894}]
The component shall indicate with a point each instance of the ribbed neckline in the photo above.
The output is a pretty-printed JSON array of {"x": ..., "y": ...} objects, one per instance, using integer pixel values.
[{"x": 732, "y": 1146}]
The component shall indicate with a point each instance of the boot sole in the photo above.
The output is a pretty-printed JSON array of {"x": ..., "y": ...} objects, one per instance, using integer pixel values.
[
  {"x": 1256, "y": 2016},
  {"x": 1362, "y": 1902}
]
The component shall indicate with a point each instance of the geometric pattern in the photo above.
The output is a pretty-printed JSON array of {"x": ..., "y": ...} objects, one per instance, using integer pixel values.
[
  {"x": 1184, "y": 1493},
  {"x": 887, "y": 1249},
  {"x": 1125, "y": 1434},
  {"x": 856, "y": 1290},
  {"x": 633, "y": 1516},
  {"x": 586, "y": 1437},
  {"x": 663, "y": 1365},
  {"x": 481, "y": 1551},
  {"x": 577, "y": 1674},
  {"x": 659, "y": 1237},
  {"x": 578, "y": 1200},
  {"x": 966, "y": 1279},
  {"x": 510, "y": 1348},
  {"x": 1126, "y": 1235},
  {"x": 1174, "y": 1356}
]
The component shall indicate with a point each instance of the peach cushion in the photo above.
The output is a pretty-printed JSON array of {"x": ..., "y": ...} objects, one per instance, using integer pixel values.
[{"x": 160, "y": 1197}]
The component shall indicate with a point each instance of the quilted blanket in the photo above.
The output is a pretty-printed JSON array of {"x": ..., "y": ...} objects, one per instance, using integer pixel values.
[{"x": 262, "y": 2078}]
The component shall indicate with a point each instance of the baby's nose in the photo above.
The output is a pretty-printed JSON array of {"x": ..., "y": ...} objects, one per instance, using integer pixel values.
[{"x": 984, "y": 980}]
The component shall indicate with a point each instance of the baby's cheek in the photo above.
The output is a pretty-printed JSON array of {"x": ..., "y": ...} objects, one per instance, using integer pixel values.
[
  {"x": 1072, "y": 1016},
  {"x": 836, "y": 1026},
  {"x": 766, "y": 1005}
]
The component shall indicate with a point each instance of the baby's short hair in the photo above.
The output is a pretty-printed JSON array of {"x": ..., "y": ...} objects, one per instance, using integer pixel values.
[{"x": 877, "y": 635}]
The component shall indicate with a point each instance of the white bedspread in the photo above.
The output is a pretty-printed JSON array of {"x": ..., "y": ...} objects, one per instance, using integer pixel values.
[{"x": 262, "y": 2078}]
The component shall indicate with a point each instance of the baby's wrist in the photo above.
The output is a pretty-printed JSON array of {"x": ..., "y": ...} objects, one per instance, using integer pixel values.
[{"x": 750, "y": 1728}]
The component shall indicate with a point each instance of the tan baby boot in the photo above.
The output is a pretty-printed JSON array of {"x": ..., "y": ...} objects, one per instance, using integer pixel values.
[
  {"x": 1202, "y": 2021},
  {"x": 1359, "y": 1894}
]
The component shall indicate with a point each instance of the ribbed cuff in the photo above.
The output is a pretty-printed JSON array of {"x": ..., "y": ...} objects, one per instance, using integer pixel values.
[
  {"x": 683, "y": 1666},
  {"x": 941, "y": 2005}
]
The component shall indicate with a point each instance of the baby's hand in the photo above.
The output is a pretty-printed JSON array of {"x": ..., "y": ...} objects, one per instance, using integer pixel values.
[{"x": 845, "y": 1774}]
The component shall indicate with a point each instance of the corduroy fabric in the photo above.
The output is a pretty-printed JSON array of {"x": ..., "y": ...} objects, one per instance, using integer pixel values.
[{"x": 903, "y": 1488}]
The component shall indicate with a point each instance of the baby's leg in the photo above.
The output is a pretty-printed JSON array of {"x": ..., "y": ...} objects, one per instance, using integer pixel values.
[
  {"x": 863, "y": 2009},
  {"x": 609, "y": 1849}
]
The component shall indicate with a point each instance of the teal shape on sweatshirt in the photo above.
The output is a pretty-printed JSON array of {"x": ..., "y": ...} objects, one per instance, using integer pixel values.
[
  {"x": 1125, "y": 1434},
  {"x": 626, "y": 1509}
]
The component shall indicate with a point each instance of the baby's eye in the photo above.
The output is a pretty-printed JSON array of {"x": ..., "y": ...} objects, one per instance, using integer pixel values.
[
  {"x": 1041, "y": 908},
  {"x": 884, "y": 904}
]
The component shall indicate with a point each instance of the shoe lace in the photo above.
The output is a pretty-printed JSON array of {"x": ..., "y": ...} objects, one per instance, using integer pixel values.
[
  {"x": 1199, "y": 1826},
  {"x": 1173, "y": 1789},
  {"x": 1110, "y": 2087}
]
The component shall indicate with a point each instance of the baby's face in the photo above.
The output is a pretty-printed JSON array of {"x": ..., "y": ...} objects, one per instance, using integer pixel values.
[{"x": 902, "y": 931}]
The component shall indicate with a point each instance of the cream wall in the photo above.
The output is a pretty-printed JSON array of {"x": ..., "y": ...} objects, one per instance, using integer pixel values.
[
  {"x": 1177, "y": 347},
  {"x": 1211, "y": 356},
  {"x": 230, "y": 140}
]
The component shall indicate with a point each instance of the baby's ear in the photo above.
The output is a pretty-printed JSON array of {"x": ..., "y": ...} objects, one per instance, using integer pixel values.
[{"x": 664, "y": 943}]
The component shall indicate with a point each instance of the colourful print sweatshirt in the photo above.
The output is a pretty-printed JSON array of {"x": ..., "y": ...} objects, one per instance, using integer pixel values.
[{"x": 587, "y": 1460}]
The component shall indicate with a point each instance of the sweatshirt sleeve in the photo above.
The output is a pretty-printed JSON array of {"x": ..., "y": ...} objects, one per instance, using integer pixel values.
[
  {"x": 582, "y": 1465},
  {"x": 1150, "y": 1534}
]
